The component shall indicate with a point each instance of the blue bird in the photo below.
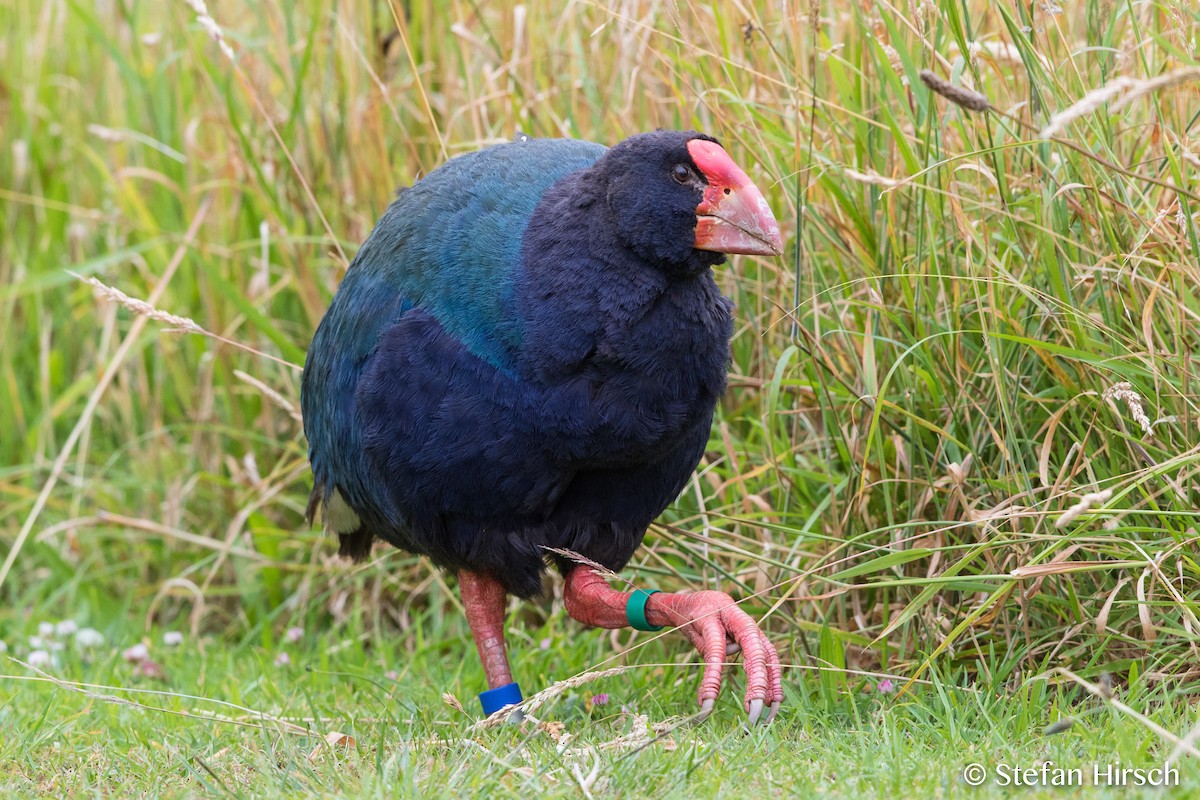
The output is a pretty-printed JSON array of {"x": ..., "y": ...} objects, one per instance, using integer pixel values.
[{"x": 525, "y": 356}]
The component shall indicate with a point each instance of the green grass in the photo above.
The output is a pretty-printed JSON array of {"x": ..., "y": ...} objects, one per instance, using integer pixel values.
[
  {"x": 920, "y": 389},
  {"x": 841, "y": 740}
]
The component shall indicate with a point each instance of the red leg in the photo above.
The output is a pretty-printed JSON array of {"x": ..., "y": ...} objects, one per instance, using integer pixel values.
[
  {"x": 484, "y": 597},
  {"x": 709, "y": 619}
]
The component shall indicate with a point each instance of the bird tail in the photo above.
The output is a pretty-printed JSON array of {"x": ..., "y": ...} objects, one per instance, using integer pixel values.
[
  {"x": 315, "y": 498},
  {"x": 357, "y": 545},
  {"x": 354, "y": 539}
]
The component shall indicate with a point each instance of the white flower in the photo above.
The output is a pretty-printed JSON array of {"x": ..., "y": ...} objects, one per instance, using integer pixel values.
[
  {"x": 88, "y": 638},
  {"x": 294, "y": 634},
  {"x": 139, "y": 652},
  {"x": 45, "y": 629},
  {"x": 39, "y": 658},
  {"x": 37, "y": 643},
  {"x": 172, "y": 638},
  {"x": 66, "y": 627},
  {"x": 3, "y": 647}
]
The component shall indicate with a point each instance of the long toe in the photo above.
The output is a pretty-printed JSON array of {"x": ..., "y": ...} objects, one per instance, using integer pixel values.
[
  {"x": 774, "y": 677},
  {"x": 755, "y": 656},
  {"x": 719, "y": 629}
]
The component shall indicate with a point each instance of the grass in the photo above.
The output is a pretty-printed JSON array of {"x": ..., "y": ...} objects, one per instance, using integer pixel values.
[
  {"x": 408, "y": 741},
  {"x": 921, "y": 389}
]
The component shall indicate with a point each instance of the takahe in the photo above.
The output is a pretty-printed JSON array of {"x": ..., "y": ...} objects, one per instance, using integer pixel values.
[{"x": 525, "y": 354}]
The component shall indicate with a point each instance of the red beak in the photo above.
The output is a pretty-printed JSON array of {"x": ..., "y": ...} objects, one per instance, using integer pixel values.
[{"x": 733, "y": 217}]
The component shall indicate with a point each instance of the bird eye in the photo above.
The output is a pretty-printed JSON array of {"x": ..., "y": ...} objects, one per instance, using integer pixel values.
[{"x": 682, "y": 173}]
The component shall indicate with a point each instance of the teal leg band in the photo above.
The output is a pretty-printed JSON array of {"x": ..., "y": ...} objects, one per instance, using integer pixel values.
[{"x": 635, "y": 610}]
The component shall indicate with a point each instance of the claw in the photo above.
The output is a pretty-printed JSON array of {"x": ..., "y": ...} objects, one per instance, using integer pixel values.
[{"x": 711, "y": 620}]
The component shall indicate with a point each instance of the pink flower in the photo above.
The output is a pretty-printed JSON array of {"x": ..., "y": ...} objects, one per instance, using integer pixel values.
[
  {"x": 283, "y": 659},
  {"x": 885, "y": 686},
  {"x": 139, "y": 652}
]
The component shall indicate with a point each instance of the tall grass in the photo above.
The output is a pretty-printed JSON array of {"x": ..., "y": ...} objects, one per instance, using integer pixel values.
[{"x": 922, "y": 388}]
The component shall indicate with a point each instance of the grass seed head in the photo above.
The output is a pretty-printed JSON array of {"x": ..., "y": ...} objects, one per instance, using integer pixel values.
[
  {"x": 210, "y": 26},
  {"x": 1121, "y": 91},
  {"x": 960, "y": 96},
  {"x": 140, "y": 307},
  {"x": 1085, "y": 504},
  {"x": 1125, "y": 392}
]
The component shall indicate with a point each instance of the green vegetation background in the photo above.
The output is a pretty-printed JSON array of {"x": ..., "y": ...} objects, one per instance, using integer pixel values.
[{"x": 973, "y": 328}]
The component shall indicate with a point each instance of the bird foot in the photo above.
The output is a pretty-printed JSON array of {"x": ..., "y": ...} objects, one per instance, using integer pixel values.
[
  {"x": 718, "y": 628},
  {"x": 711, "y": 620}
]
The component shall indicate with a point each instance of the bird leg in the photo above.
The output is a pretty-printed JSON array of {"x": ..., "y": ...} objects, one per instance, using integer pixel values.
[
  {"x": 483, "y": 598},
  {"x": 711, "y": 620}
]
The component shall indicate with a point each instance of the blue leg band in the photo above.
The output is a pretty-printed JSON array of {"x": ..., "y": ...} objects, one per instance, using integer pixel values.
[{"x": 495, "y": 699}]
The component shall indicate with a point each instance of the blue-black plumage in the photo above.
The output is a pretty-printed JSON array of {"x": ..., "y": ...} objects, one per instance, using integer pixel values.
[{"x": 525, "y": 354}]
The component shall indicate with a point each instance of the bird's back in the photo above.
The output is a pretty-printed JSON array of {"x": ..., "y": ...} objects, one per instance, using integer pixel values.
[{"x": 448, "y": 245}]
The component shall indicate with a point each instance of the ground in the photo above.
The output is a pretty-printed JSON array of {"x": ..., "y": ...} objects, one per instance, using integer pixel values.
[{"x": 239, "y": 719}]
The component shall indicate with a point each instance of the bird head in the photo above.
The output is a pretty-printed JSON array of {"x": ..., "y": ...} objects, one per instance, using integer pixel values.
[{"x": 679, "y": 199}]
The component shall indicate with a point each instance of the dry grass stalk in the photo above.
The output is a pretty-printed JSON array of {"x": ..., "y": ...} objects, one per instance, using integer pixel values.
[
  {"x": 271, "y": 394},
  {"x": 546, "y": 695},
  {"x": 643, "y": 734},
  {"x": 960, "y": 96},
  {"x": 210, "y": 26},
  {"x": 148, "y": 526},
  {"x": 1152, "y": 85},
  {"x": 1106, "y": 609},
  {"x": 1145, "y": 599},
  {"x": 870, "y": 177},
  {"x": 1105, "y": 693},
  {"x": 1124, "y": 391},
  {"x": 1127, "y": 89},
  {"x": 1086, "y": 105},
  {"x": 184, "y": 325},
  {"x": 1085, "y": 504},
  {"x": 261, "y": 720},
  {"x": 140, "y": 307},
  {"x": 106, "y": 134},
  {"x": 579, "y": 558},
  {"x": 1040, "y": 571}
]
